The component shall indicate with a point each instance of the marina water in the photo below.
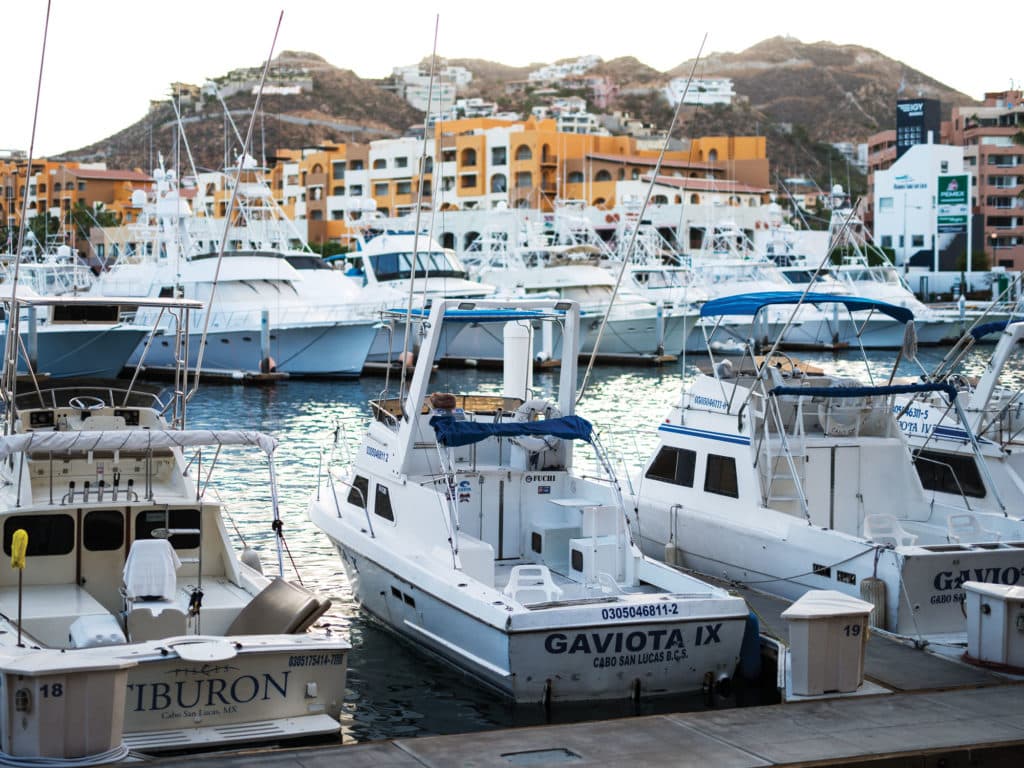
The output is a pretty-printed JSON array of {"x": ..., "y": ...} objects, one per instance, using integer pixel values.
[{"x": 394, "y": 690}]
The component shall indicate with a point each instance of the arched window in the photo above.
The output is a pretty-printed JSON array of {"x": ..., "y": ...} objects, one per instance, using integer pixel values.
[
  {"x": 428, "y": 165},
  {"x": 523, "y": 152},
  {"x": 317, "y": 168},
  {"x": 713, "y": 156},
  {"x": 622, "y": 173},
  {"x": 468, "y": 157},
  {"x": 576, "y": 177},
  {"x": 499, "y": 183},
  {"x": 634, "y": 174},
  {"x": 603, "y": 175},
  {"x": 695, "y": 199}
]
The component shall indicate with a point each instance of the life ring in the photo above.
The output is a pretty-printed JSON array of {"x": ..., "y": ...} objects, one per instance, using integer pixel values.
[
  {"x": 609, "y": 218},
  {"x": 527, "y": 412}
]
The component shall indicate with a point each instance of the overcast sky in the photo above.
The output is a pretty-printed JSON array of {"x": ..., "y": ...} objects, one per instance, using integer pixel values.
[{"x": 105, "y": 59}]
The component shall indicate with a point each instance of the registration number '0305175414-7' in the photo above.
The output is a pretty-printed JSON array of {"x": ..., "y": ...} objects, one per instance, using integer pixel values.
[{"x": 639, "y": 611}]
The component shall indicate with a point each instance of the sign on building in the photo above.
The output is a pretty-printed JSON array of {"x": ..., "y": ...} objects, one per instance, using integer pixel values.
[{"x": 953, "y": 210}]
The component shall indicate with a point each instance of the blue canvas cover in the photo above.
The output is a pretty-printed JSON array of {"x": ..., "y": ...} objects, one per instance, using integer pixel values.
[
  {"x": 891, "y": 389},
  {"x": 750, "y": 303},
  {"x": 454, "y": 433}
]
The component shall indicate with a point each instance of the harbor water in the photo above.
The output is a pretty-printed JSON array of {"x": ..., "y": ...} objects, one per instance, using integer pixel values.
[{"x": 394, "y": 690}]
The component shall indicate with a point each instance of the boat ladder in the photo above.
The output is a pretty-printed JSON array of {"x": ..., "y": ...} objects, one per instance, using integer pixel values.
[{"x": 783, "y": 466}]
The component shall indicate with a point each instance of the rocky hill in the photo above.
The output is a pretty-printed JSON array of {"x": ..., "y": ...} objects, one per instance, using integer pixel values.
[{"x": 800, "y": 95}]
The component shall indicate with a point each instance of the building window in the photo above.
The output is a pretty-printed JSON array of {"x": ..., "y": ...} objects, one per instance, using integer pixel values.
[
  {"x": 403, "y": 188},
  {"x": 887, "y": 241},
  {"x": 338, "y": 168},
  {"x": 467, "y": 180},
  {"x": 355, "y": 165},
  {"x": 576, "y": 177},
  {"x": 524, "y": 180},
  {"x": 673, "y": 465},
  {"x": 720, "y": 476},
  {"x": 316, "y": 215},
  {"x": 944, "y": 166},
  {"x": 917, "y": 241},
  {"x": 356, "y": 190},
  {"x": 380, "y": 188},
  {"x": 339, "y": 190},
  {"x": 695, "y": 199},
  {"x": 499, "y": 156},
  {"x": 603, "y": 175},
  {"x": 469, "y": 157},
  {"x": 885, "y": 203},
  {"x": 523, "y": 152},
  {"x": 401, "y": 162},
  {"x": 380, "y": 163},
  {"x": 428, "y": 165},
  {"x": 499, "y": 183}
]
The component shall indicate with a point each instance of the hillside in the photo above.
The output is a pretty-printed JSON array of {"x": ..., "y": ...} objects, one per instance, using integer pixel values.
[
  {"x": 836, "y": 92},
  {"x": 800, "y": 95}
]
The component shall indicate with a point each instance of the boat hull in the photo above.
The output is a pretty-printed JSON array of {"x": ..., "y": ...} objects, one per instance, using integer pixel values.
[
  {"x": 88, "y": 351},
  {"x": 571, "y": 654},
  {"x": 328, "y": 349},
  {"x": 275, "y": 688}
]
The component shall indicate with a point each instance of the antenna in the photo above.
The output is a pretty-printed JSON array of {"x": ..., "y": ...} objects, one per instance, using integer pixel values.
[
  {"x": 231, "y": 212},
  {"x": 628, "y": 255},
  {"x": 13, "y": 338},
  {"x": 416, "y": 228}
]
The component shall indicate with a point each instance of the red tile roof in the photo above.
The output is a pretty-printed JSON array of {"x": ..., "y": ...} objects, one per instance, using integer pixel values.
[{"x": 98, "y": 175}]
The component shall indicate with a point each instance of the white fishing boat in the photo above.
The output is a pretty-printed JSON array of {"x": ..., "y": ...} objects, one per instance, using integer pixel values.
[
  {"x": 464, "y": 526},
  {"x": 789, "y": 482},
  {"x": 71, "y": 336},
  {"x": 975, "y": 456},
  {"x": 132, "y": 620}
]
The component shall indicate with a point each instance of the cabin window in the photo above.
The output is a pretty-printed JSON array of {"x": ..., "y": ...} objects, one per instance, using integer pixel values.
[
  {"x": 47, "y": 534},
  {"x": 150, "y": 520},
  {"x": 360, "y": 489},
  {"x": 948, "y": 473},
  {"x": 103, "y": 530},
  {"x": 673, "y": 465},
  {"x": 720, "y": 476},
  {"x": 382, "y": 503}
]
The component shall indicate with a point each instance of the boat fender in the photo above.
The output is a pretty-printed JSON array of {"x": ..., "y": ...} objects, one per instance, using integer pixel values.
[
  {"x": 268, "y": 365},
  {"x": 873, "y": 591},
  {"x": 750, "y": 649},
  {"x": 527, "y": 412}
]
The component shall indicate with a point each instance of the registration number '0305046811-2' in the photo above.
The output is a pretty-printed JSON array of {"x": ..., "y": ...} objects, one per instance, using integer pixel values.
[{"x": 639, "y": 611}]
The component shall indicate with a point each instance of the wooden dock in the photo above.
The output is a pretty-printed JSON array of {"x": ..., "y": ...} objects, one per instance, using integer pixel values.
[{"x": 924, "y": 710}]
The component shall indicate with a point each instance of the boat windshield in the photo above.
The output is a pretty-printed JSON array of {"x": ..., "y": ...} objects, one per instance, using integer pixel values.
[
  {"x": 397, "y": 266},
  {"x": 803, "y": 276}
]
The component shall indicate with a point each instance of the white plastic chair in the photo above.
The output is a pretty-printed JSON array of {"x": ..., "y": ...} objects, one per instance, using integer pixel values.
[
  {"x": 964, "y": 528},
  {"x": 532, "y": 584},
  {"x": 886, "y": 530}
]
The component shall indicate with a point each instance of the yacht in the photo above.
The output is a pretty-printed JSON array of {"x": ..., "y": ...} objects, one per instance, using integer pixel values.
[
  {"x": 403, "y": 266},
  {"x": 263, "y": 314},
  {"x": 464, "y": 526},
  {"x": 790, "y": 481},
  {"x": 131, "y": 620}
]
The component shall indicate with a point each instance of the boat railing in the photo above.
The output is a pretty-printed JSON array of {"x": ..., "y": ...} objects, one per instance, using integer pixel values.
[{"x": 111, "y": 396}]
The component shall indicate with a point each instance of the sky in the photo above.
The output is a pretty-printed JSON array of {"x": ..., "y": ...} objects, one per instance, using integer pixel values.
[{"x": 106, "y": 59}]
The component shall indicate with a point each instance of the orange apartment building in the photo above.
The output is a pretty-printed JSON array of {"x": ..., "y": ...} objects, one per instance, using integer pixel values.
[
  {"x": 55, "y": 188},
  {"x": 482, "y": 163}
]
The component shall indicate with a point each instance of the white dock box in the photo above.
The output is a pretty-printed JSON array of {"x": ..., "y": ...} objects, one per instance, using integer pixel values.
[
  {"x": 995, "y": 623},
  {"x": 828, "y": 631}
]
